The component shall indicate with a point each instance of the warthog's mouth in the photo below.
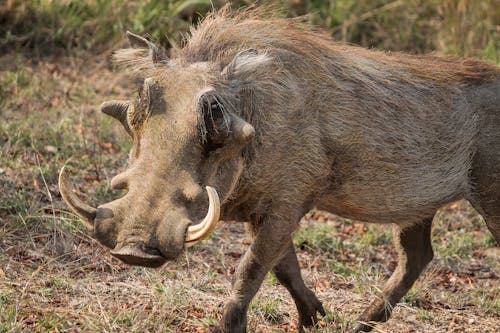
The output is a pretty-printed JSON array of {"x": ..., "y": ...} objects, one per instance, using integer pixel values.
[
  {"x": 139, "y": 255},
  {"x": 137, "y": 252}
]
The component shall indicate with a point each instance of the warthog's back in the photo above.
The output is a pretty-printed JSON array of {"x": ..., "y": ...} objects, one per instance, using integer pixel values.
[
  {"x": 388, "y": 140},
  {"x": 400, "y": 149}
]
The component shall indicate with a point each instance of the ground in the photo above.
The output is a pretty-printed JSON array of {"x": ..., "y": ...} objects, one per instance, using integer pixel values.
[{"x": 55, "y": 277}]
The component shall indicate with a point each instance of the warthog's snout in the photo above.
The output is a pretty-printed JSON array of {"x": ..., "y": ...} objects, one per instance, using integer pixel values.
[
  {"x": 115, "y": 225},
  {"x": 139, "y": 237}
]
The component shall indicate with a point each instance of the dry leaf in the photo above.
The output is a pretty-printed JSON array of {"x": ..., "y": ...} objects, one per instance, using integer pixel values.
[{"x": 54, "y": 102}]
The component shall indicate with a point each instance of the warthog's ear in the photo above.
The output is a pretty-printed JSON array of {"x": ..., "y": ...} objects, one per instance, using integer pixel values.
[
  {"x": 245, "y": 62},
  {"x": 119, "y": 111},
  {"x": 155, "y": 53}
]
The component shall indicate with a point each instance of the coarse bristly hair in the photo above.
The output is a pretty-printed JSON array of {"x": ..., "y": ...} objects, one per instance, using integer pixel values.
[
  {"x": 385, "y": 117},
  {"x": 299, "y": 50},
  {"x": 223, "y": 33}
]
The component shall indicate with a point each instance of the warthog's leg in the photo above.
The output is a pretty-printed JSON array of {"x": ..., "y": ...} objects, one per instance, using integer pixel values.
[
  {"x": 490, "y": 211},
  {"x": 288, "y": 273},
  {"x": 493, "y": 224},
  {"x": 270, "y": 244},
  {"x": 414, "y": 249}
]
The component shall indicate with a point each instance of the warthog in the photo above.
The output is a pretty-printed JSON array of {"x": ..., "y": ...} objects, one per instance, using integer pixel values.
[{"x": 273, "y": 119}]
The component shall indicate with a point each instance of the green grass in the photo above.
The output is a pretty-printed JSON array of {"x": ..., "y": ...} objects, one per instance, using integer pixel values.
[
  {"x": 489, "y": 300},
  {"x": 268, "y": 309},
  {"x": 453, "y": 244},
  {"x": 319, "y": 238},
  {"x": 414, "y": 298},
  {"x": 466, "y": 28},
  {"x": 48, "y": 119},
  {"x": 43, "y": 25},
  {"x": 7, "y": 312},
  {"x": 426, "y": 315},
  {"x": 342, "y": 268}
]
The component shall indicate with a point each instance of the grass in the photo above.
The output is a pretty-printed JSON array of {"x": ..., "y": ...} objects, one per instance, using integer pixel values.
[
  {"x": 54, "y": 72},
  {"x": 268, "y": 309},
  {"x": 466, "y": 28}
]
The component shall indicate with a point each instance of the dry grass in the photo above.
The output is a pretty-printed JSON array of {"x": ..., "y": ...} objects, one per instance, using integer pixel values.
[
  {"x": 54, "y": 277},
  {"x": 84, "y": 289}
]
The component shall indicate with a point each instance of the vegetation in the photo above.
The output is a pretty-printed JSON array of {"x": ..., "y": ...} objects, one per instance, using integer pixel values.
[
  {"x": 55, "y": 71},
  {"x": 460, "y": 27}
]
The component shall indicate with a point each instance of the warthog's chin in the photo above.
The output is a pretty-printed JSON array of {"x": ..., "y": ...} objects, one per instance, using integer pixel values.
[{"x": 139, "y": 255}]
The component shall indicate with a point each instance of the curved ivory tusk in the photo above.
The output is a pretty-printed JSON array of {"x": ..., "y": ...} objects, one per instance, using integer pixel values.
[
  {"x": 203, "y": 229},
  {"x": 84, "y": 211}
]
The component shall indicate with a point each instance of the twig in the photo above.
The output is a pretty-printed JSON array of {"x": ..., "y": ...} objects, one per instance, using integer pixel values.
[{"x": 49, "y": 195}]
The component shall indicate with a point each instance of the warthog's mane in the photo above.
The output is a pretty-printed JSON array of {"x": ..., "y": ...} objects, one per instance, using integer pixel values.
[{"x": 223, "y": 33}]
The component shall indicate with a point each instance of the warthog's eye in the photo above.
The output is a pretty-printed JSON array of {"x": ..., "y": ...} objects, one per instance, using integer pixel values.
[
  {"x": 214, "y": 117},
  {"x": 214, "y": 125}
]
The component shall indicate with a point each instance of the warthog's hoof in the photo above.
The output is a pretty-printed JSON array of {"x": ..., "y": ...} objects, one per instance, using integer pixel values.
[{"x": 308, "y": 312}]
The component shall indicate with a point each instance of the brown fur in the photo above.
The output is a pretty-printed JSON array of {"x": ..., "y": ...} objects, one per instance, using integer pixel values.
[{"x": 372, "y": 136}]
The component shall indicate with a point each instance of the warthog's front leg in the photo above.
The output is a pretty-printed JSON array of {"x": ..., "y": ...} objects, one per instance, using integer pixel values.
[
  {"x": 414, "y": 253},
  {"x": 288, "y": 273},
  {"x": 270, "y": 244}
]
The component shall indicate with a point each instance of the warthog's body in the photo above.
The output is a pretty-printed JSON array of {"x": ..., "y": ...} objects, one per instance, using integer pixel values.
[{"x": 371, "y": 136}]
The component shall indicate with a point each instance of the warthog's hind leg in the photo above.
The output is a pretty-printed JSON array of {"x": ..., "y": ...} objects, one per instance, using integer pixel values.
[
  {"x": 414, "y": 249},
  {"x": 489, "y": 208},
  {"x": 493, "y": 224},
  {"x": 288, "y": 273}
]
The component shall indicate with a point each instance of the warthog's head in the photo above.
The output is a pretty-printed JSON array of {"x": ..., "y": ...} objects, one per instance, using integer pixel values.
[{"x": 186, "y": 138}]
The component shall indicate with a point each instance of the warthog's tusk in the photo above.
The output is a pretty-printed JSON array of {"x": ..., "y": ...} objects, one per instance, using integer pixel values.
[
  {"x": 203, "y": 229},
  {"x": 84, "y": 211}
]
